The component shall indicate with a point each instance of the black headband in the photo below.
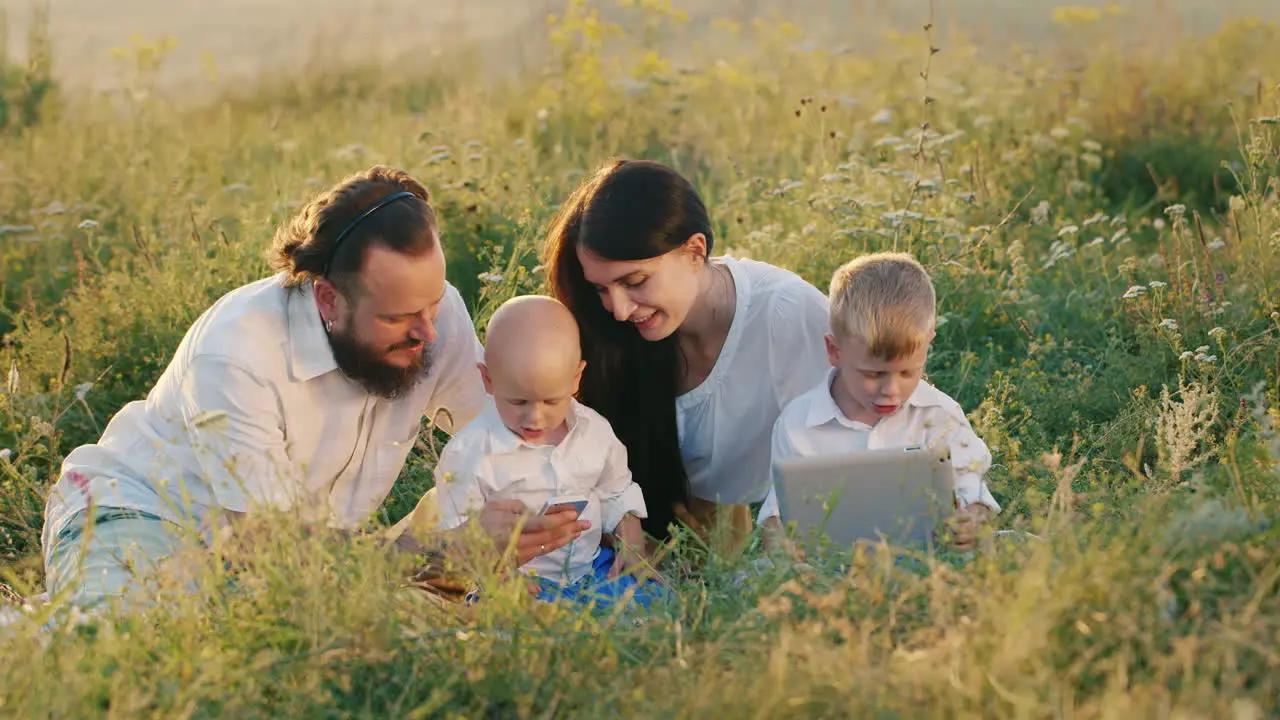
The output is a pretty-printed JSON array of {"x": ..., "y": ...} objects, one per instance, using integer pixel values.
[{"x": 360, "y": 218}]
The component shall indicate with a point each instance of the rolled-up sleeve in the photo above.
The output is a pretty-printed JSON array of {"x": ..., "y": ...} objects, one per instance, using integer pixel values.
[
  {"x": 462, "y": 475},
  {"x": 459, "y": 391},
  {"x": 235, "y": 427},
  {"x": 619, "y": 494},
  {"x": 970, "y": 457},
  {"x": 780, "y": 448}
]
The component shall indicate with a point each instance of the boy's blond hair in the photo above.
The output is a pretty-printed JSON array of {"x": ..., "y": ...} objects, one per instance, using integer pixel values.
[{"x": 887, "y": 301}]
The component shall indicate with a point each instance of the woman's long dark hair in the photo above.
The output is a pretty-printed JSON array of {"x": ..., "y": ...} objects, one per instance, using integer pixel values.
[{"x": 629, "y": 210}]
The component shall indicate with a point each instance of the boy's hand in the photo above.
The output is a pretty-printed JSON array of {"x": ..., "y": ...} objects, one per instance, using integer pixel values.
[
  {"x": 628, "y": 550},
  {"x": 966, "y": 523},
  {"x": 775, "y": 540}
]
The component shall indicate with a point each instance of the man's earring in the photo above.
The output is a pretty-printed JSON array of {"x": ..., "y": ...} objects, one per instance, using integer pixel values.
[{"x": 328, "y": 326}]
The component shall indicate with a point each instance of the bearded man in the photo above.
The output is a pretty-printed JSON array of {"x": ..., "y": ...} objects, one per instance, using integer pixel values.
[{"x": 301, "y": 392}]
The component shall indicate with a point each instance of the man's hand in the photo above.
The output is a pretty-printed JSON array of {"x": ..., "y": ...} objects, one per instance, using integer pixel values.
[{"x": 965, "y": 525}]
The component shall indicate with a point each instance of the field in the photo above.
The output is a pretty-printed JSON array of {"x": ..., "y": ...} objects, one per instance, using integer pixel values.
[{"x": 1099, "y": 205}]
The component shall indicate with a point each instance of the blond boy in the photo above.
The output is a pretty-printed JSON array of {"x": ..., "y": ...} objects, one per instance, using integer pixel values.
[
  {"x": 534, "y": 442},
  {"x": 882, "y": 309}
]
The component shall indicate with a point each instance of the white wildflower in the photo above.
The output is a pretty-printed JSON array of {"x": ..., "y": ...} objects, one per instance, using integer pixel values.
[
  {"x": 54, "y": 208},
  {"x": 1059, "y": 133},
  {"x": 519, "y": 142},
  {"x": 1168, "y": 324},
  {"x": 982, "y": 121},
  {"x": 472, "y": 144},
  {"x": 288, "y": 146},
  {"x": 1097, "y": 241},
  {"x": 538, "y": 269},
  {"x": 968, "y": 197},
  {"x": 1158, "y": 223},
  {"x": 1091, "y": 161},
  {"x": 490, "y": 277},
  {"x": 1177, "y": 210},
  {"x": 835, "y": 178},
  {"x": 236, "y": 188},
  {"x": 1118, "y": 235},
  {"x": 1186, "y": 355},
  {"x": 1202, "y": 349},
  {"x": 809, "y": 229},
  {"x": 886, "y": 141},
  {"x": 1155, "y": 284},
  {"x": 1094, "y": 219},
  {"x": 883, "y": 117},
  {"x": 87, "y": 224},
  {"x": 16, "y": 229},
  {"x": 1136, "y": 291},
  {"x": 1040, "y": 213},
  {"x": 1206, "y": 359},
  {"x": 1068, "y": 230},
  {"x": 5, "y": 453},
  {"x": 82, "y": 390},
  {"x": 1092, "y": 146},
  {"x": 1217, "y": 332},
  {"x": 1078, "y": 187},
  {"x": 542, "y": 114},
  {"x": 1216, "y": 245}
]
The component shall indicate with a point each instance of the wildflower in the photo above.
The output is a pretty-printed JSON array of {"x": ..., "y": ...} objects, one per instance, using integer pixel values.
[
  {"x": 1217, "y": 332},
  {"x": 883, "y": 117},
  {"x": 236, "y": 188},
  {"x": 1216, "y": 245},
  {"x": 16, "y": 229},
  {"x": 1206, "y": 359},
  {"x": 968, "y": 197},
  {"x": 1097, "y": 241},
  {"x": 54, "y": 208},
  {"x": 1040, "y": 213},
  {"x": 1202, "y": 349},
  {"x": 1068, "y": 230},
  {"x": 982, "y": 121},
  {"x": 1158, "y": 223},
  {"x": 809, "y": 229},
  {"x": 1115, "y": 237},
  {"x": 1078, "y": 187},
  {"x": 1092, "y": 146},
  {"x": 1155, "y": 284},
  {"x": 288, "y": 146},
  {"x": 519, "y": 142},
  {"x": 543, "y": 114},
  {"x": 1136, "y": 291},
  {"x": 1059, "y": 133},
  {"x": 835, "y": 178},
  {"x": 1094, "y": 219},
  {"x": 1168, "y": 324},
  {"x": 1186, "y": 355},
  {"x": 87, "y": 224},
  {"x": 1091, "y": 161},
  {"x": 538, "y": 269},
  {"x": 5, "y": 453},
  {"x": 490, "y": 277},
  {"x": 472, "y": 144},
  {"x": 82, "y": 390},
  {"x": 1177, "y": 210}
]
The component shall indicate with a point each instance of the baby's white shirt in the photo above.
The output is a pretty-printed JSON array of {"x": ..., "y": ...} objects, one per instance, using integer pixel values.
[
  {"x": 813, "y": 425},
  {"x": 486, "y": 461}
]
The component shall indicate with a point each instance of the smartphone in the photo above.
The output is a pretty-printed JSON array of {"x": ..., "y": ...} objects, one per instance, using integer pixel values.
[{"x": 576, "y": 503}]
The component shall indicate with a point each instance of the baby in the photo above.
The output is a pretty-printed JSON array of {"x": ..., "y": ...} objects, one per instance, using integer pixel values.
[
  {"x": 534, "y": 442},
  {"x": 882, "y": 309}
]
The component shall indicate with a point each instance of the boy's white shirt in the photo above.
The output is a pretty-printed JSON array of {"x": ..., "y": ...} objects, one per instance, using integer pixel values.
[
  {"x": 486, "y": 461},
  {"x": 813, "y": 425}
]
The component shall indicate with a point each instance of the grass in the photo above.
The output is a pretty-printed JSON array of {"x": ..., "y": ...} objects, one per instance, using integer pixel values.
[{"x": 1102, "y": 221}]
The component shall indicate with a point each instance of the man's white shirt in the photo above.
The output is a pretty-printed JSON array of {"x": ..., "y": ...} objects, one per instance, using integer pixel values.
[
  {"x": 253, "y": 409},
  {"x": 486, "y": 461}
]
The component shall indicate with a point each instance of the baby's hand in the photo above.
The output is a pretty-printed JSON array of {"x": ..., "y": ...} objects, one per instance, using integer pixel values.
[{"x": 965, "y": 524}]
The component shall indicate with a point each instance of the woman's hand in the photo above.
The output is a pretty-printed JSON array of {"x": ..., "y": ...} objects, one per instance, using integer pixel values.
[{"x": 539, "y": 535}]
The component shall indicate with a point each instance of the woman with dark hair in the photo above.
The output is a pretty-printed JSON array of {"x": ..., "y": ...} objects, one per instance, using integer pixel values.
[{"x": 690, "y": 357}]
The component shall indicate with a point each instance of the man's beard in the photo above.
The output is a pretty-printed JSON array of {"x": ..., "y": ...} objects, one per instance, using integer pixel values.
[{"x": 365, "y": 366}]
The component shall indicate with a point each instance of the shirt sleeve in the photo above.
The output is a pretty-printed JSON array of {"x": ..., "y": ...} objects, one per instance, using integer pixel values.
[
  {"x": 618, "y": 493},
  {"x": 797, "y": 351},
  {"x": 780, "y": 448},
  {"x": 969, "y": 456},
  {"x": 462, "y": 474},
  {"x": 459, "y": 392},
  {"x": 235, "y": 428}
]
